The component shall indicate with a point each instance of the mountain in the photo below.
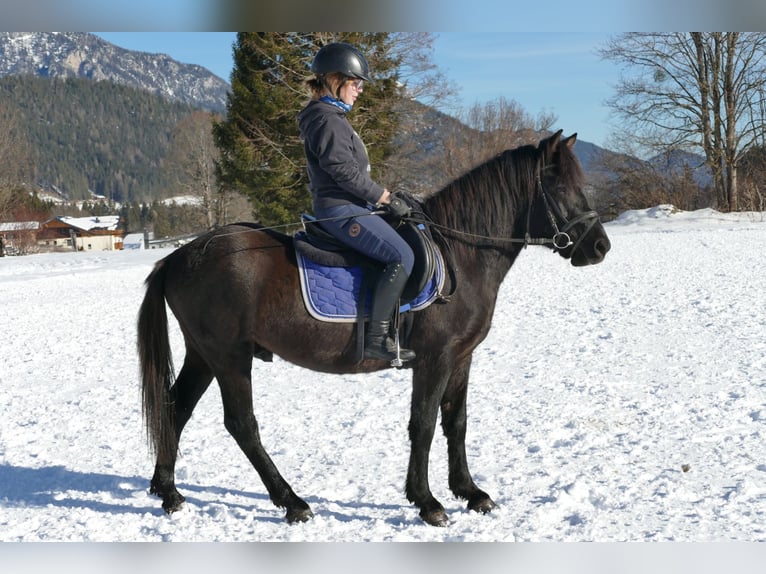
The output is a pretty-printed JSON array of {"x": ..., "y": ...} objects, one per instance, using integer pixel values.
[
  {"x": 590, "y": 155},
  {"x": 95, "y": 136},
  {"x": 83, "y": 55},
  {"x": 90, "y": 138},
  {"x": 676, "y": 161},
  {"x": 425, "y": 134}
]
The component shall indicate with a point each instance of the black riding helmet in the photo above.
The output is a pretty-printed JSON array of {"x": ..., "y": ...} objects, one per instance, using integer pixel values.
[{"x": 343, "y": 58}]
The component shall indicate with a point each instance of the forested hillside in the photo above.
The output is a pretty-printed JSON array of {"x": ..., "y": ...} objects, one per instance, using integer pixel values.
[{"x": 95, "y": 137}]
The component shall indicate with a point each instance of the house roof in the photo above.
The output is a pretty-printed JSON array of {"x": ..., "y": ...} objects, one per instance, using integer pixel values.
[
  {"x": 108, "y": 222},
  {"x": 19, "y": 226}
]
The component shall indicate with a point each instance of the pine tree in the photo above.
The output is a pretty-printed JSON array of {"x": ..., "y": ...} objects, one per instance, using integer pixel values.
[{"x": 261, "y": 152}]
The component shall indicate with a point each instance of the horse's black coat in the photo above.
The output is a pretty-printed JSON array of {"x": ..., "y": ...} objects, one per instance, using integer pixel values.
[{"x": 235, "y": 294}]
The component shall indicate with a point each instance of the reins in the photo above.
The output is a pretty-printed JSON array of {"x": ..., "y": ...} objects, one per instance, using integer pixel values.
[
  {"x": 285, "y": 226},
  {"x": 560, "y": 239}
]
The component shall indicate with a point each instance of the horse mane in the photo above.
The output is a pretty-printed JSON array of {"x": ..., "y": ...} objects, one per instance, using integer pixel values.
[{"x": 487, "y": 198}]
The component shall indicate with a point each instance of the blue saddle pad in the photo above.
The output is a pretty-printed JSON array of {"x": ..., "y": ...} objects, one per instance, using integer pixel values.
[{"x": 332, "y": 293}]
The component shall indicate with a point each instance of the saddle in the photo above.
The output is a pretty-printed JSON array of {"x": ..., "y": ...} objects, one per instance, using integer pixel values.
[{"x": 335, "y": 279}]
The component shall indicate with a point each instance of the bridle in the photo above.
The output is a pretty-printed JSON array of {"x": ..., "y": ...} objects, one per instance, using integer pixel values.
[{"x": 561, "y": 239}]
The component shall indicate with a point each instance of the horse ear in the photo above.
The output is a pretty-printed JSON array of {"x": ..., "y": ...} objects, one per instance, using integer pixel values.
[
  {"x": 548, "y": 146},
  {"x": 570, "y": 141}
]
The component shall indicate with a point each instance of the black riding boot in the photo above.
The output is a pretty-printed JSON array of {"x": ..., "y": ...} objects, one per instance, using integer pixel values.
[{"x": 377, "y": 342}]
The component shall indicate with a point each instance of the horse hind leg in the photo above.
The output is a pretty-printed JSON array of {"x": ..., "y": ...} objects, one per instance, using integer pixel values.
[
  {"x": 239, "y": 420},
  {"x": 192, "y": 382}
]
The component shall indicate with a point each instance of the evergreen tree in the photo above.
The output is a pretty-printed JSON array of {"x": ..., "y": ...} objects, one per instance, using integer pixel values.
[
  {"x": 83, "y": 136},
  {"x": 261, "y": 152}
]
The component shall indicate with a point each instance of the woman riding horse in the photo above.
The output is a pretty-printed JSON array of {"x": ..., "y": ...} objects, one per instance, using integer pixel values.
[{"x": 343, "y": 191}]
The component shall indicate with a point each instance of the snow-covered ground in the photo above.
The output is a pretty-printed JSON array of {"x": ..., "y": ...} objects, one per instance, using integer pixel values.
[{"x": 620, "y": 402}]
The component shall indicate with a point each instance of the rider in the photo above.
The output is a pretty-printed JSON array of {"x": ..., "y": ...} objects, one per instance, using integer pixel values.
[{"x": 343, "y": 191}]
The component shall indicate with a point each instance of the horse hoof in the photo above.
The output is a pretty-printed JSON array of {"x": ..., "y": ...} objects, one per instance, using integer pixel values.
[
  {"x": 172, "y": 503},
  {"x": 435, "y": 518},
  {"x": 299, "y": 515},
  {"x": 485, "y": 505}
]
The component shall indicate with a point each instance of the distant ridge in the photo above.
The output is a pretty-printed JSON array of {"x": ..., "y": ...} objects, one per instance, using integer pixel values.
[
  {"x": 84, "y": 55},
  {"x": 93, "y": 142}
]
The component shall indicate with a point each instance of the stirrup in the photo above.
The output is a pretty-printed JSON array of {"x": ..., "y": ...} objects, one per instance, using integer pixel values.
[
  {"x": 397, "y": 361},
  {"x": 384, "y": 353}
]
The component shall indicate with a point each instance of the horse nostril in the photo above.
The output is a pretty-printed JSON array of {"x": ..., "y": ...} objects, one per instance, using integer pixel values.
[{"x": 602, "y": 246}]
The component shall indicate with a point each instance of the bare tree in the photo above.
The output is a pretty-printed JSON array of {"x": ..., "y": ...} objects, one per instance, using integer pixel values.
[
  {"x": 437, "y": 148},
  {"x": 501, "y": 124},
  {"x": 418, "y": 74},
  {"x": 694, "y": 90},
  {"x": 636, "y": 184},
  {"x": 15, "y": 159},
  {"x": 753, "y": 181},
  {"x": 194, "y": 154}
]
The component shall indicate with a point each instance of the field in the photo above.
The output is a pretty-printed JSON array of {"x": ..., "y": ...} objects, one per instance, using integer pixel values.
[{"x": 620, "y": 402}]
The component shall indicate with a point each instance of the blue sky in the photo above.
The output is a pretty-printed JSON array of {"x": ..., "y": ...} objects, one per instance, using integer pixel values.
[
  {"x": 552, "y": 72},
  {"x": 555, "y": 72}
]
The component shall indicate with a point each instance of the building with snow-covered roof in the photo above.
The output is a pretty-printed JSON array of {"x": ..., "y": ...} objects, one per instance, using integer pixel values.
[
  {"x": 18, "y": 237},
  {"x": 93, "y": 233}
]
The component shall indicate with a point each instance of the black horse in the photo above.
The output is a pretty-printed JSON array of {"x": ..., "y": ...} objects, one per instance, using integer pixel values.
[{"x": 235, "y": 293}]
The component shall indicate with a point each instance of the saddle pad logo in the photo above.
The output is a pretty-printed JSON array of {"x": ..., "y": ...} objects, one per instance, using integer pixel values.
[{"x": 354, "y": 230}]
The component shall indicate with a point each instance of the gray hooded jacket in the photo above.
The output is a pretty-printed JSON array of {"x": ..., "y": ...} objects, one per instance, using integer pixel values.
[{"x": 338, "y": 165}]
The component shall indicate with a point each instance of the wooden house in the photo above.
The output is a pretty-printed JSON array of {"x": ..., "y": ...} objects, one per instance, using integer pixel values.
[
  {"x": 18, "y": 237},
  {"x": 94, "y": 233}
]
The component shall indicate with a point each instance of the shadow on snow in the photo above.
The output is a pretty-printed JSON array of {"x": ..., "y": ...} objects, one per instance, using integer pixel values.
[{"x": 57, "y": 486}]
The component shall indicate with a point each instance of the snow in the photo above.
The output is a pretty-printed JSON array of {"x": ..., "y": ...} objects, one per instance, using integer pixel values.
[
  {"x": 19, "y": 226},
  {"x": 620, "y": 402},
  {"x": 133, "y": 241},
  {"x": 90, "y": 223},
  {"x": 193, "y": 200}
]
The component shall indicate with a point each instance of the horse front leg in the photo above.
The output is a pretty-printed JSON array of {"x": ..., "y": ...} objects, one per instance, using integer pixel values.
[
  {"x": 453, "y": 409},
  {"x": 427, "y": 388}
]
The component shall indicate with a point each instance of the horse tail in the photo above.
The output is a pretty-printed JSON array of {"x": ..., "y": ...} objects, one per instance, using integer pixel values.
[{"x": 157, "y": 373}]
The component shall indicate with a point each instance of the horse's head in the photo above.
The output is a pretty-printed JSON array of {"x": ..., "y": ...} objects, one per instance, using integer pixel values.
[{"x": 560, "y": 208}]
